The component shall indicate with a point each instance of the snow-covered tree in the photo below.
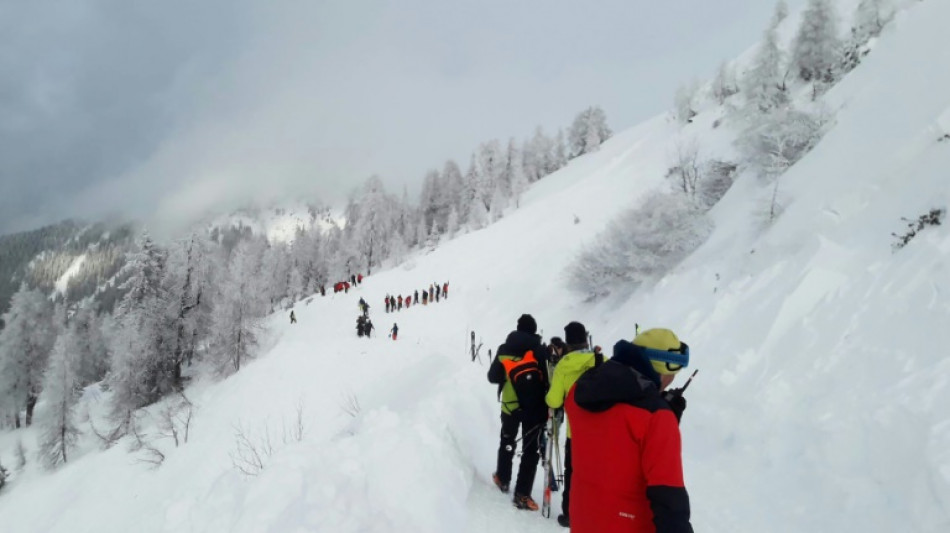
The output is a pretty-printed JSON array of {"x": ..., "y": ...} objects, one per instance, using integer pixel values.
[
  {"x": 492, "y": 162},
  {"x": 275, "y": 268},
  {"x": 430, "y": 197},
  {"x": 542, "y": 159},
  {"x": 780, "y": 13},
  {"x": 773, "y": 144},
  {"x": 398, "y": 248},
  {"x": 685, "y": 102},
  {"x": 764, "y": 82},
  {"x": 141, "y": 359},
  {"x": 517, "y": 182},
  {"x": 685, "y": 170},
  {"x": 499, "y": 203},
  {"x": 452, "y": 224},
  {"x": 422, "y": 232},
  {"x": 478, "y": 216},
  {"x": 61, "y": 389},
  {"x": 471, "y": 192},
  {"x": 560, "y": 150},
  {"x": 641, "y": 243},
  {"x": 25, "y": 345},
  {"x": 588, "y": 131},
  {"x": 724, "y": 85},
  {"x": 453, "y": 189},
  {"x": 870, "y": 17},
  {"x": 240, "y": 310},
  {"x": 816, "y": 50},
  {"x": 373, "y": 227},
  {"x": 296, "y": 287},
  {"x": 189, "y": 286},
  {"x": 92, "y": 348}
]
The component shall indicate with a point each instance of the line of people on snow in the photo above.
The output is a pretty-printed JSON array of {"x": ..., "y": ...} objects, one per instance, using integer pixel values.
[
  {"x": 433, "y": 294},
  {"x": 622, "y": 466}
]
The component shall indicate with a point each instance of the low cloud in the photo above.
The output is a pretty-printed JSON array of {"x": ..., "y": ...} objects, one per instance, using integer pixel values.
[{"x": 165, "y": 110}]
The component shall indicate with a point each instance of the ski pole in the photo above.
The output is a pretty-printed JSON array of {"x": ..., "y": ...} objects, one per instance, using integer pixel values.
[
  {"x": 524, "y": 434},
  {"x": 688, "y": 381},
  {"x": 681, "y": 390}
]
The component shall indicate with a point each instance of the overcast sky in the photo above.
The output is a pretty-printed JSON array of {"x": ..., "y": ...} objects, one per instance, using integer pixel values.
[{"x": 163, "y": 109}]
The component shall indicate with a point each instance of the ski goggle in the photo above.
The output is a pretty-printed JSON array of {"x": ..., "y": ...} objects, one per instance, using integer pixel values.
[{"x": 669, "y": 361}]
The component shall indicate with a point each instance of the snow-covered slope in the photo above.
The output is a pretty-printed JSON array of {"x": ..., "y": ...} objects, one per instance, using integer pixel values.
[{"x": 820, "y": 405}]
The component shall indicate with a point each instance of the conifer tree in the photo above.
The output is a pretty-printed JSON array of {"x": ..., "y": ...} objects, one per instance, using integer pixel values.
[
  {"x": 816, "y": 50},
  {"x": 140, "y": 368},
  {"x": 238, "y": 317},
  {"x": 92, "y": 348},
  {"x": 764, "y": 83},
  {"x": 25, "y": 345},
  {"x": 61, "y": 391}
]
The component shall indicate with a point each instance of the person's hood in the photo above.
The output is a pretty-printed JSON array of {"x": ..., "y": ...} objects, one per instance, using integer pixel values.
[
  {"x": 625, "y": 379},
  {"x": 519, "y": 342}
]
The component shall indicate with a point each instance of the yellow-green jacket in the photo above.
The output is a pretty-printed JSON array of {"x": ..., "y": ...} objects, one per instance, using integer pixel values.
[
  {"x": 509, "y": 400},
  {"x": 566, "y": 372}
]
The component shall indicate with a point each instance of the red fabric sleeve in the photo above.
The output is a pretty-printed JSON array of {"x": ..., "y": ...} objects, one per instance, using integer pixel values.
[{"x": 661, "y": 454}]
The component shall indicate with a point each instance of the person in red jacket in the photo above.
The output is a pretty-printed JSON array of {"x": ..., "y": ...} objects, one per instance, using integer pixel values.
[{"x": 618, "y": 408}]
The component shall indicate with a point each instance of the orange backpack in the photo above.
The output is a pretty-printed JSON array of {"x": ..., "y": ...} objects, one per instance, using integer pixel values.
[{"x": 526, "y": 378}]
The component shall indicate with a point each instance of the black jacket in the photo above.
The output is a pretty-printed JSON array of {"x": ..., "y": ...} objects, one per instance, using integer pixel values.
[{"x": 516, "y": 345}]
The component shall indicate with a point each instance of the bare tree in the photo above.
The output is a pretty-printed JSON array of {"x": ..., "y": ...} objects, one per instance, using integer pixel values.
[{"x": 686, "y": 168}]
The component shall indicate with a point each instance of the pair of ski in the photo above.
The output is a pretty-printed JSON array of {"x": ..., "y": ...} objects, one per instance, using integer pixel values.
[{"x": 551, "y": 454}]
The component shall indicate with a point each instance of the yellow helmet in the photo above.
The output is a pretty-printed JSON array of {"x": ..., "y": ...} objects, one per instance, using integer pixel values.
[{"x": 664, "y": 349}]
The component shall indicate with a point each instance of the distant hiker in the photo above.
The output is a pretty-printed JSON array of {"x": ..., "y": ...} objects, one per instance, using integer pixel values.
[
  {"x": 400, "y": 303},
  {"x": 556, "y": 349},
  {"x": 415, "y": 297},
  {"x": 293, "y": 317},
  {"x": 359, "y": 279},
  {"x": 437, "y": 296},
  {"x": 518, "y": 371},
  {"x": 445, "y": 289},
  {"x": 386, "y": 301},
  {"x": 368, "y": 328},
  {"x": 618, "y": 406},
  {"x": 362, "y": 305},
  {"x": 323, "y": 290},
  {"x": 394, "y": 331},
  {"x": 425, "y": 298},
  {"x": 408, "y": 301},
  {"x": 360, "y": 325},
  {"x": 353, "y": 279},
  {"x": 431, "y": 292},
  {"x": 575, "y": 362},
  {"x": 346, "y": 287}
]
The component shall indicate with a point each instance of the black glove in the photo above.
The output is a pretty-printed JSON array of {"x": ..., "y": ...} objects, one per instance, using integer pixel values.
[{"x": 676, "y": 401}]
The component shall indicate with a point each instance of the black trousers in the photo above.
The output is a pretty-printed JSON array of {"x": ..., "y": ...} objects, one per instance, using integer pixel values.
[
  {"x": 532, "y": 426},
  {"x": 568, "y": 471}
]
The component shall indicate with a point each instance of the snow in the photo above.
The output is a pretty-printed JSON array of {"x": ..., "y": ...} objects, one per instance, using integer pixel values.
[
  {"x": 63, "y": 282},
  {"x": 820, "y": 405}
]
